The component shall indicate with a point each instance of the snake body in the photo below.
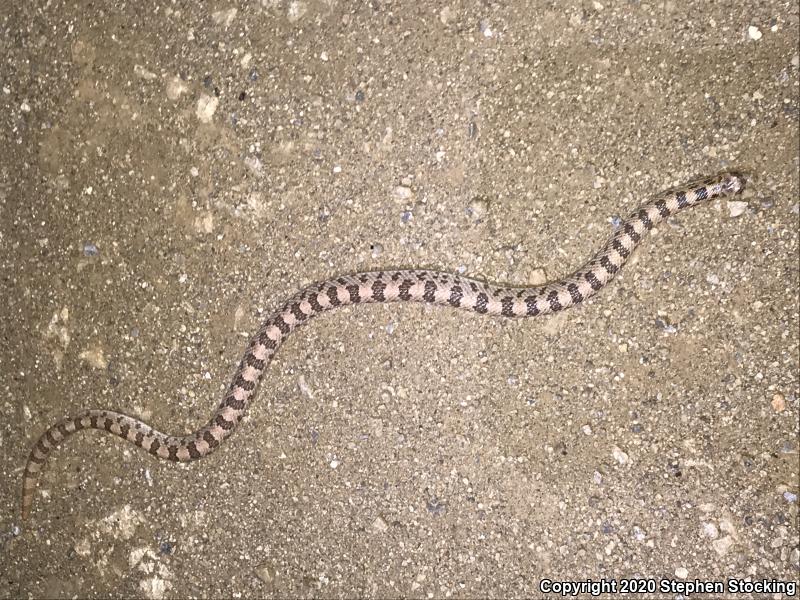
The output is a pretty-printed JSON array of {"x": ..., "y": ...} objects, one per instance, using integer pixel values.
[{"x": 379, "y": 286}]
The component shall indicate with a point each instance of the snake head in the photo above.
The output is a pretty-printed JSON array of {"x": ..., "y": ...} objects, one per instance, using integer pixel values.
[{"x": 733, "y": 182}]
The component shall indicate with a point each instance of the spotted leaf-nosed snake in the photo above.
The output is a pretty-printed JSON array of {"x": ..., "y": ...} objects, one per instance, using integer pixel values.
[{"x": 379, "y": 286}]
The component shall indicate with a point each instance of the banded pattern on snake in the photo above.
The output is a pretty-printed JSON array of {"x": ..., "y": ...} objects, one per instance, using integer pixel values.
[{"x": 379, "y": 286}]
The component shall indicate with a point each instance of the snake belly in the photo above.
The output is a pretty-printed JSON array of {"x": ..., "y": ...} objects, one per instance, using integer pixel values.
[{"x": 432, "y": 287}]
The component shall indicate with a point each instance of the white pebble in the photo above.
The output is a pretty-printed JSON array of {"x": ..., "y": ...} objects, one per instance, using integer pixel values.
[
  {"x": 722, "y": 546},
  {"x": 710, "y": 530},
  {"x": 254, "y": 164},
  {"x": 206, "y": 107},
  {"x": 296, "y": 11},
  {"x": 681, "y": 573},
  {"x": 143, "y": 73},
  {"x": 337, "y": 169},
  {"x": 620, "y": 456},
  {"x": 334, "y": 463},
  {"x": 94, "y": 357},
  {"x": 736, "y": 207},
  {"x": 224, "y": 17},
  {"x": 754, "y": 32},
  {"x": 305, "y": 389},
  {"x": 402, "y": 192},
  {"x": 379, "y": 524},
  {"x": 175, "y": 87},
  {"x": 712, "y": 279},
  {"x": 445, "y": 14},
  {"x": 25, "y": 107}
]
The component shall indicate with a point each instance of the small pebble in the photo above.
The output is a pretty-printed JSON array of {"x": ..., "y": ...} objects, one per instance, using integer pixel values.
[
  {"x": 143, "y": 73},
  {"x": 478, "y": 208},
  {"x": 778, "y": 403},
  {"x": 736, "y": 207},
  {"x": 334, "y": 463},
  {"x": 304, "y": 388},
  {"x": 710, "y": 530},
  {"x": 376, "y": 249},
  {"x": 712, "y": 279},
  {"x": 379, "y": 525},
  {"x": 265, "y": 573},
  {"x": 681, "y": 573},
  {"x": 620, "y": 456},
  {"x": 722, "y": 546},
  {"x": 176, "y": 87},
  {"x": 754, "y": 33},
  {"x": 538, "y": 277},
  {"x": 206, "y": 107},
  {"x": 406, "y": 216},
  {"x": 224, "y": 17},
  {"x": 402, "y": 192},
  {"x": 94, "y": 357},
  {"x": 90, "y": 249},
  {"x": 790, "y": 497}
]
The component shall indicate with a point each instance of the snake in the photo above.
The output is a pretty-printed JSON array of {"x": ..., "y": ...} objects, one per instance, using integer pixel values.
[{"x": 431, "y": 287}]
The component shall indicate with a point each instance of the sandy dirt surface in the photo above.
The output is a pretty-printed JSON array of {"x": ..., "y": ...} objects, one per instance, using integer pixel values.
[{"x": 171, "y": 171}]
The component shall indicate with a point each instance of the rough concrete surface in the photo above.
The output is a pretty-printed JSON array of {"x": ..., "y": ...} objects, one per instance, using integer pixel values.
[{"x": 170, "y": 171}]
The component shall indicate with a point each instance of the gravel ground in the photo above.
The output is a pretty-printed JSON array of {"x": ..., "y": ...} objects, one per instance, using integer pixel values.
[{"x": 169, "y": 172}]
